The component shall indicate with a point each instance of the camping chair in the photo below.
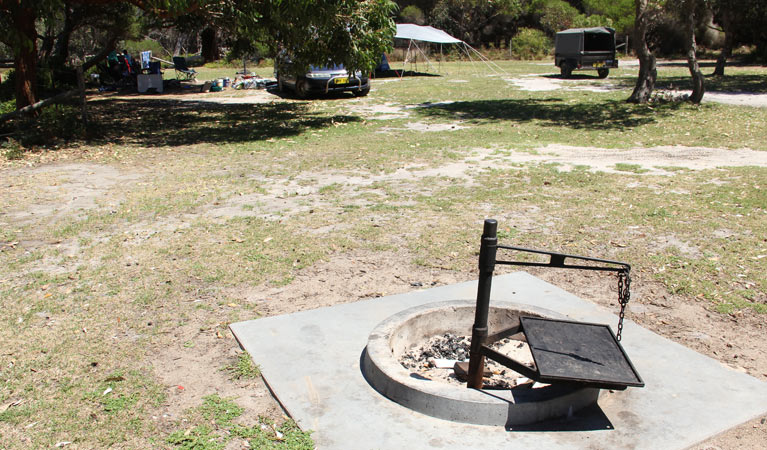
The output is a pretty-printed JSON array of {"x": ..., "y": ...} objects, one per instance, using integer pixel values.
[{"x": 182, "y": 69}]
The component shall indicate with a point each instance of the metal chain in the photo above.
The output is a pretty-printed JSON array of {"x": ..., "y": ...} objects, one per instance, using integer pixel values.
[{"x": 624, "y": 295}]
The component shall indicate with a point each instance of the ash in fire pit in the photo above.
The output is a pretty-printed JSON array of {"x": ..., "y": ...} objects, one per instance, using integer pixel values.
[{"x": 434, "y": 360}]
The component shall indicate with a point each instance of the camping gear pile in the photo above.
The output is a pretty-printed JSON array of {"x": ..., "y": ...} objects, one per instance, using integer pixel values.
[{"x": 252, "y": 81}]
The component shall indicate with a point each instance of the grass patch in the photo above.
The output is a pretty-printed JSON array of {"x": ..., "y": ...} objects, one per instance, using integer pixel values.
[
  {"x": 220, "y": 427},
  {"x": 198, "y": 438},
  {"x": 243, "y": 368},
  {"x": 633, "y": 168}
]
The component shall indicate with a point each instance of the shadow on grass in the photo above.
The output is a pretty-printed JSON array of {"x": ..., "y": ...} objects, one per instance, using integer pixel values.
[
  {"x": 604, "y": 115},
  {"x": 159, "y": 122},
  {"x": 736, "y": 83},
  {"x": 288, "y": 94},
  {"x": 574, "y": 76},
  {"x": 397, "y": 73}
]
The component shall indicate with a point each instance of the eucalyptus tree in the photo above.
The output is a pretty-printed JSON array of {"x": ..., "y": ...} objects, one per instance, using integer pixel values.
[
  {"x": 743, "y": 22},
  {"x": 645, "y": 12},
  {"x": 476, "y": 20},
  {"x": 621, "y": 12},
  {"x": 688, "y": 11}
]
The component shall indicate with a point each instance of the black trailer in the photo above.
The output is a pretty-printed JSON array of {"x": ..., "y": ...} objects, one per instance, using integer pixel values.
[{"x": 585, "y": 49}]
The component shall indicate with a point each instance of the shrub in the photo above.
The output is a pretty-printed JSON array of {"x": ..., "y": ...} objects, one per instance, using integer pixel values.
[
  {"x": 136, "y": 47},
  {"x": 413, "y": 14},
  {"x": 530, "y": 43},
  {"x": 554, "y": 15}
]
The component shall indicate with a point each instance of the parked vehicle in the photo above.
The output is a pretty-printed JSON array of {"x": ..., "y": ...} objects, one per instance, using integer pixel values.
[
  {"x": 320, "y": 80},
  {"x": 585, "y": 49}
]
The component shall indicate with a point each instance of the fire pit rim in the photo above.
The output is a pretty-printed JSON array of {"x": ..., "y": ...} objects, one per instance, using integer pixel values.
[{"x": 383, "y": 371}]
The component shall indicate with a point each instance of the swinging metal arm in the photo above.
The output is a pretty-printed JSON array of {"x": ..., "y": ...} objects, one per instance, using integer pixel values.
[{"x": 557, "y": 260}]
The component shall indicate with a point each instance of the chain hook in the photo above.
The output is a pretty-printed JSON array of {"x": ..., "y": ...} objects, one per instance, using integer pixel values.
[{"x": 624, "y": 295}]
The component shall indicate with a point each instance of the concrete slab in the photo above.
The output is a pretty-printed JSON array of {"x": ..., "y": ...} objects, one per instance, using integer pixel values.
[{"x": 311, "y": 361}]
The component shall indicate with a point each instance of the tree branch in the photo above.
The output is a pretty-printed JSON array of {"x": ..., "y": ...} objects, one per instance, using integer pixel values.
[{"x": 42, "y": 103}]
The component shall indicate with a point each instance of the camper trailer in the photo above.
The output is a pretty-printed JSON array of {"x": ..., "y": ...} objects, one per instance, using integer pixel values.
[{"x": 585, "y": 49}]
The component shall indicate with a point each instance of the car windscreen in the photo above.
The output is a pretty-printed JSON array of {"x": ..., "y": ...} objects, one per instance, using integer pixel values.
[{"x": 327, "y": 68}]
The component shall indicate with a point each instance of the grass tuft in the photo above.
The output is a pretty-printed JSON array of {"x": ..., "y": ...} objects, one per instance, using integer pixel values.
[{"x": 243, "y": 368}]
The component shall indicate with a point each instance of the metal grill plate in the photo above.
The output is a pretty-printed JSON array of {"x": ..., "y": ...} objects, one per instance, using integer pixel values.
[{"x": 578, "y": 352}]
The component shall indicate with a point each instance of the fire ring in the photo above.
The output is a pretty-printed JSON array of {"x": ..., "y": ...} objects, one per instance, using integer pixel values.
[{"x": 505, "y": 407}]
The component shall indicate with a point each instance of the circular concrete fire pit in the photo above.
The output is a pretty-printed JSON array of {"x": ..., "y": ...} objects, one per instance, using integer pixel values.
[{"x": 506, "y": 407}]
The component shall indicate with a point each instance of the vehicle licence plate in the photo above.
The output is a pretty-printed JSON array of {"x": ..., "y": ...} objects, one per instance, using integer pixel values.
[
  {"x": 341, "y": 80},
  {"x": 599, "y": 64}
]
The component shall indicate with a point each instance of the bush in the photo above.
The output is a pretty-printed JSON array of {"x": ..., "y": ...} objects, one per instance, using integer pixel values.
[
  {"x": 8, "y": 87},
  {"x": 554, "y": 15},
  {"x": 413, "y": 14},
  {"x": 136, "y": 47},
  {"x": 594, "y": 20},
  {"x": 530, "y": 43}
]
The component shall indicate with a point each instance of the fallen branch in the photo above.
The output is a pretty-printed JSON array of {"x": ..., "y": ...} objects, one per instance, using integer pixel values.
[{"x": 42, "y": 103}]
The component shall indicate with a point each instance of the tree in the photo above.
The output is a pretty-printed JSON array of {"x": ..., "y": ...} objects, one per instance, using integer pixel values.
[
  {"x": 352, "y": 32},
  {"x": 412, "y": 14},
  {"x": 621, "y": 12},
  {"x": 554, "y": 15},
  {"x": 210, "y": 48},
  {"x": 743, "y": 23},
  {"x": 724, "y": 15},
  {"x": 477, "y": 21},
  {"x": 688, "y": 12},
  {"x": 19, "y": 18},
  {"x": 648, "y": 72}
]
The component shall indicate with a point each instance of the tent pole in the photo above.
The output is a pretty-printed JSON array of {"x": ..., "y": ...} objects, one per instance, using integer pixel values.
[
  {"x": 404, "y": 60},
  {"x": 489, "y": 63},
  {"x": 465, "y": 49},
  {"x": 426, "y": 58}
]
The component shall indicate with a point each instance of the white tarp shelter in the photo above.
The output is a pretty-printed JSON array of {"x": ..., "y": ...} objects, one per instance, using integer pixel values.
[
  {"x": 423, "y": 33},
  {"x": 418, "y": 33}
]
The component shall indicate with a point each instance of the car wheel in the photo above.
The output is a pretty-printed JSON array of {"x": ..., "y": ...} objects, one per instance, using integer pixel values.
[
  {"x": 603, "y": 73},
  {"x": 362, "y": 92},
  {"x": 302, "y": 90},
  {"x": 565, "y": 70}
]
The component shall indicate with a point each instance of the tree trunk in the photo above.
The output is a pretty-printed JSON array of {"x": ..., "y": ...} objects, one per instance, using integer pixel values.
[
  {"x": 25, "y": 56},
  {"x": 177, "y": 47},
  {"x": 210, "y": 51},
  {"x": 647, "y": 69},
  {"x": 61, "y": 51},
  {"x": 698, "y": 81},
  {"x": 721, "y": 61}
]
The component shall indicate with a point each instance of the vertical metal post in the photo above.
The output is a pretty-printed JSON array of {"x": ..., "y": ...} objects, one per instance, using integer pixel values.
[{"x": 487, "y": 251}]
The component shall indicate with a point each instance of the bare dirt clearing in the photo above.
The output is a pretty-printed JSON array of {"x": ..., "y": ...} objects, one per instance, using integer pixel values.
[
  {"x": 61, "y": 190},
  {"x": 656, "y": 160}
]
